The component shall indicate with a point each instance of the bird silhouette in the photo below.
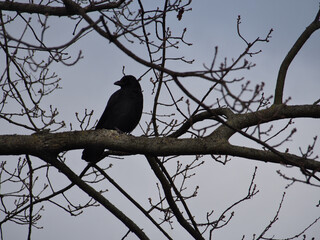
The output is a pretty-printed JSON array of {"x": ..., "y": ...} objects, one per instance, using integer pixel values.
[{"x": 122, "y": 113}]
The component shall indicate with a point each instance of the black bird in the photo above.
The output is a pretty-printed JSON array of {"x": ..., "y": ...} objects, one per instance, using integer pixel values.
[{"x": 122, "y": 113}]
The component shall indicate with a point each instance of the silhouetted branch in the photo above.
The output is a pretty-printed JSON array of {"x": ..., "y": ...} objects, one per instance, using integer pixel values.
[
  {"x": 167, "y": 191},
  {"x": 314, "y": 26},
  {"x": 134, "y": 202},
  {"x": 52, "y": 160},
  {"x": 54, "y": 10}
]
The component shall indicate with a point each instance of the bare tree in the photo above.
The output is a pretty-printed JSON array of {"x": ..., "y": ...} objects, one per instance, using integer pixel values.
[{"x": 186, "y": 124}]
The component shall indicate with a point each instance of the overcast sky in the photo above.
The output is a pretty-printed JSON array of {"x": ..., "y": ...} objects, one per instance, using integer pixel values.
[{"x": 89, "y": 84}]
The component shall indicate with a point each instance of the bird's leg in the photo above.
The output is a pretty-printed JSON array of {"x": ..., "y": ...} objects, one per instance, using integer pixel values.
[
  {"x": 121, "y": 132},
  {"x": 118, "y": 130}
]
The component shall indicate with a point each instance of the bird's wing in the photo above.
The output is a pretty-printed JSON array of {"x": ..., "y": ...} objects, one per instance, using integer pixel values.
[
  {"x": 123, "y": 111},
  {"x": 106, "y": 119}
]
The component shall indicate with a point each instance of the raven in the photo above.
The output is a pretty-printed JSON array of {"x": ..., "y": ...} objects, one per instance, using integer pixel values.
[{"x": 122, "y": 113}]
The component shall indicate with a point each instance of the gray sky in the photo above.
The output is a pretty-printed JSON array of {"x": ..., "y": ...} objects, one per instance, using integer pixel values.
[{"x": 89, "y": 84}]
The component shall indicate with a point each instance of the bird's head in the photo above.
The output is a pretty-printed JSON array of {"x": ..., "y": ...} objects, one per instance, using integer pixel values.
[{"x": 128, "y": 81}]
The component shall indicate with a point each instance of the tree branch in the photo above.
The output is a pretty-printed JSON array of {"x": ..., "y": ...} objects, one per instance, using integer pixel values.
[
  {"x": 132, "y": 200},
  {"x": 167, "y": 191},
  {"x": 54, "y": 11},
  {"x": 74, "y": 178},
  {"x": 216, "y": 143},
  {"x": 315, "y": 25}
]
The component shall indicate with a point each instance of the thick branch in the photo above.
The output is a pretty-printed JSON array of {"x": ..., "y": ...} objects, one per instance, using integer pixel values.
[
  {"x": 53, "y": 11},
  {"x": 276, "y": 112},
  {"x": 315, "y": 25},
  {"x": 216, "y": 143},
  {"x": 39, "y": 144}
]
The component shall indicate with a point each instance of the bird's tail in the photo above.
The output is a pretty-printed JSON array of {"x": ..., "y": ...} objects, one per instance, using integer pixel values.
[{"x": 92, "y": 154}]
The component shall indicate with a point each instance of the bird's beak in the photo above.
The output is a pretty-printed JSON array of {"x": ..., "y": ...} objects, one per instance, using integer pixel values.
[{"x": 119, "y": 83}]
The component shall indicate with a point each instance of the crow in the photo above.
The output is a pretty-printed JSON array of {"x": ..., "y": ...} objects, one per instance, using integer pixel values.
[{"x": 122, "y": 113}]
